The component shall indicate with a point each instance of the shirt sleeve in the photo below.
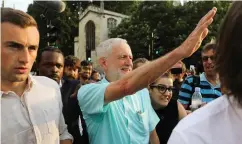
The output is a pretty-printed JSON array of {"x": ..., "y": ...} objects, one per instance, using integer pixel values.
[
  {"x": 176, "y": 138},
  {"x": 91, "y": 98},
  {"x": 63, "y": 132},
  {"x": 185, "y": 92},
  {"x": 153, "y": 118}
]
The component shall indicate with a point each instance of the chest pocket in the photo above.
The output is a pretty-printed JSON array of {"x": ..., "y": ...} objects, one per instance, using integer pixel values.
[{"x": 143, "y": 120}]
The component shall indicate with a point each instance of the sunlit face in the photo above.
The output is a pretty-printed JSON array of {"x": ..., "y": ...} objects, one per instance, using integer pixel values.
[
  {"x": 96, "y": 76},
  {"x": 71, "y": 72},
  {"x": 85, "y": 72},
  {"x": 51, "y": 65},
  {"x": 161, "y": 92},
  {"x": 208, "y": 62},
  {"x": 18, "y": 51},
  {"x": 119, "y": 62}
]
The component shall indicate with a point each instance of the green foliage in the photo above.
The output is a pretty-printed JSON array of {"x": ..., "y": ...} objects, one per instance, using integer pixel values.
[
  {"x": 67, "y": 21},
  {"x": 169, "y": 24}
]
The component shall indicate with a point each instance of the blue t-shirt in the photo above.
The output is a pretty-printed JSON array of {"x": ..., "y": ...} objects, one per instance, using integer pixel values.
[{"x": 125, "y": 121}]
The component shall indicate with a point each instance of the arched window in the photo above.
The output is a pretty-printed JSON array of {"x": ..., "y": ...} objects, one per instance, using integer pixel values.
[
  {"x": 112, "y": 23},
  {"x": 90, "y": 35},
  {"x": 90, "y": 38}
]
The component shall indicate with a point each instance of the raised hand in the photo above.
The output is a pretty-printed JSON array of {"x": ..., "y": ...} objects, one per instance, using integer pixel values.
[{"x": 194, "y": 40}]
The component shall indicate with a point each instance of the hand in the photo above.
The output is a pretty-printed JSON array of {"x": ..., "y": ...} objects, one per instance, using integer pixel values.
[
  {"x": 193, "y": 108},
  {"x": 188, "y": 112},
  {"x": 194, "y": 40}
]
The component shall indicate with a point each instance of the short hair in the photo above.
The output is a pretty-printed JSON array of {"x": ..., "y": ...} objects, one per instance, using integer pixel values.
[
  {"x": 86, "y": 63},
  {"x": 208, "y": 46},
  {"x": 72, "y": 61},
  {"x": 105, "y": 47},
  {"x": 50, "y": 49},
  {"x": 228, "y": 56},
  {"x": 17, "y": 17},
  {"x": 139, "y": 60}
]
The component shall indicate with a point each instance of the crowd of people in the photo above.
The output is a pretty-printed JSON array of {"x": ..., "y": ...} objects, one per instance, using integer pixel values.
[{"x": 134, "y": 102}]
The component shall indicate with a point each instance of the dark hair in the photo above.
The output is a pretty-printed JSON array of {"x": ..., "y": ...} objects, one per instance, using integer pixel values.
[
  {"x": 50, "y": 49},
  {"x": 139, "y": 60},
  {"x": 86, "y": 63},
  {"x": 229, "y": 52},
  {"x": 72, "y": 61},
  {"x": 208, "y": 46},
  {"x": 17, "y": 17}
]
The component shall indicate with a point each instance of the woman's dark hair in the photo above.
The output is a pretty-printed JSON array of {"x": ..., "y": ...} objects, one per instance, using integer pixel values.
[{"x": 229, "y": 52}]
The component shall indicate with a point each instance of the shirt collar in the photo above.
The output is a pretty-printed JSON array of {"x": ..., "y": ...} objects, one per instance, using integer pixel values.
[
  {"x": 104, "y": 80},
  {"x": 204, "y": 79},
  {"x": 30, "y": 83}
]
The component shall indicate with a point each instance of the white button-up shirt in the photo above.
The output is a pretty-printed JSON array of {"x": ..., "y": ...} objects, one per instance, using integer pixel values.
[
  {"x": 35, "y": 117},
  {"x": 218, "y": 122}
]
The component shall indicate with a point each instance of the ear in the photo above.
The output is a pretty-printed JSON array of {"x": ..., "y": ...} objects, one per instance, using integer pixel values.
[
  {"x": 103, "y": 62},
  {"x": 148, "y": 87}
]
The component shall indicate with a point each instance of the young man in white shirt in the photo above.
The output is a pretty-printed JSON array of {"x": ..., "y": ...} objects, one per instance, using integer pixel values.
[
  {"x": 31, "y": 105},
  {"x": 220, "y": 121}
]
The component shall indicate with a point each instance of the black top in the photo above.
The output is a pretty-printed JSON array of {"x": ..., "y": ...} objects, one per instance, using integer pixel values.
[
  {"x": 71, "y": 111},
  {"x": 177, "y": 85},
  {"x": 168, "y": 120}
]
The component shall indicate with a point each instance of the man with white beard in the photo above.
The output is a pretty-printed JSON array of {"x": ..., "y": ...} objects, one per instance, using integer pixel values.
[{"x": 118, "y": 109}]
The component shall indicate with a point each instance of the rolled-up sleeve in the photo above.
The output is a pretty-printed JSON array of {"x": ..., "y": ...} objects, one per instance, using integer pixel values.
[{"x": 91, "y": 98}]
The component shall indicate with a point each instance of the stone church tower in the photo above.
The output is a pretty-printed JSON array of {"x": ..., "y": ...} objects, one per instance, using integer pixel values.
[{"x": 94, "y": 26}]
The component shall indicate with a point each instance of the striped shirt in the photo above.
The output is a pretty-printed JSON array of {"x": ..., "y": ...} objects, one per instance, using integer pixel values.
[{"x": 208, "y": 91}]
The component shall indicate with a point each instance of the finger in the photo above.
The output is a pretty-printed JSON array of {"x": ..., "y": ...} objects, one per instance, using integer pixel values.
[
  {"x": 208, "y": 16},
  {"x": 202, "y": 28},
  {"x": 205, "y": 33}
]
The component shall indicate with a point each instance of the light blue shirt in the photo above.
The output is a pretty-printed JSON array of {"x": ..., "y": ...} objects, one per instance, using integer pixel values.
[{"x": 126, "y": 121}]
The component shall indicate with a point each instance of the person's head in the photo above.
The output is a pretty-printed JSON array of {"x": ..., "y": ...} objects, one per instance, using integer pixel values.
[
  {"x": 208, "y": 54},
  {"x": 178, "y": 71},
  {"x": 95, "y": 76},
  {"x": 85, "y": 69},
  {"x": 19, "y": 45},
  {"x": 229, "y": 52},
  {"x": 139, "y": 62},
  {"x": 115, "y": 57},
  {"x": 71, "y": 68},
  {"x": 161, "y": 91},
  {"x": 51, "y": 63}
]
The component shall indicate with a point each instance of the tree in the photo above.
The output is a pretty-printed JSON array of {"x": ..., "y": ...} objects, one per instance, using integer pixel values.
[
  {"x": 170, "y": 24},
  {"x": 66, "y": 23}
]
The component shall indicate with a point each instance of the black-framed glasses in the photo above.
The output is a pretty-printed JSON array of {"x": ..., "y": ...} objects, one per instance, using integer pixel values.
[
  {"x": 205, "y": 58},
  {"x": 162, "y": 88}
]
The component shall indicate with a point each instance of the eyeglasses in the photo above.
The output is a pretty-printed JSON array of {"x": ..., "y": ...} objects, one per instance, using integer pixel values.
[
  {"x": 162, "y": 88},
  {"x": 205, "y": 58}
]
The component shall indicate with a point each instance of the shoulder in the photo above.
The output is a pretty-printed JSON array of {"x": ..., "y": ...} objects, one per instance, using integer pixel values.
[
  {"x": 71, "y": 82},
  {"x": 92, "y": 89},
  {"x": 45, "y": 81},
  {"x": 204, "y": 117},
  {"x": 189, "y": 79}
]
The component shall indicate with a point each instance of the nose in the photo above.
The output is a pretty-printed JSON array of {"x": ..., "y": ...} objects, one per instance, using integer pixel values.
[
  {"x": 129, "y": 62},
  {"x": 54, "y": 69},
  {"x": 168, "y": 92},
  {"x": 210, "y": 60},
  {"x": 24, "y": 56}
]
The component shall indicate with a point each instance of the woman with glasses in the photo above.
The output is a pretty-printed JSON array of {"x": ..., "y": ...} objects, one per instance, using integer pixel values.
[{"x": 169, "y": 110}]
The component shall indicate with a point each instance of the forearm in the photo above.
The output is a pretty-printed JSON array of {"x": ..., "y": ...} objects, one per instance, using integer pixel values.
[
  {"x": 142, "y": 76},
  {"x": 154, "y": 139},
  {"x": 68, "y": 141}
]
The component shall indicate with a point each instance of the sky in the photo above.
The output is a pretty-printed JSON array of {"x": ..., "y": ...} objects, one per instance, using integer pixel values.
[{"x": 17, "y": 4}]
